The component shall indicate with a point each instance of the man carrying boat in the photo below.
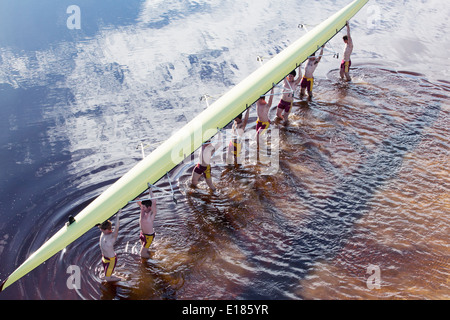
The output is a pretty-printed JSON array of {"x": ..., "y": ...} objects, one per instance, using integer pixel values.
[
  {"x": 107, "y": 240},
  {"x": 146, "y": 219},
  {"x": 290, "y": 85},
  {"x": 308, "y": 79},
  {"x": 262, "y": 111},
  {"x": 203, "y": 168},
  {"x": 235, "y": 146},
  {"x": 348, "y": 49}
]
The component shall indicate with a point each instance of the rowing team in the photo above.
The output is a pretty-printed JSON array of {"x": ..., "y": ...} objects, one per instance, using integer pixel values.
[
  {"x": 262, "y": 109},
  {"x": 108, "y": 236}
]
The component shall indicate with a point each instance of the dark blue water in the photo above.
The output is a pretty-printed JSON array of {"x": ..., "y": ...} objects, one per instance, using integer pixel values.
[{"x": 363, "y": 176}]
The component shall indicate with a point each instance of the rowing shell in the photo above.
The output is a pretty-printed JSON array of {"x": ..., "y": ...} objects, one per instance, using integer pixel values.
[{"x": 183, "y": 143}]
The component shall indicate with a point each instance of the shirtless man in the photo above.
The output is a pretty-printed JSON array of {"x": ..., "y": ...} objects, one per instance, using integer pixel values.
[
  {"x": 308, "y": 78},
  {"x": 203, "y": 167},
  {"x": 107, "y": 240},
  {"x": 234, "y": 148},
  {"x": 290, "y": 85},
  {"x": 262, "y": 110},
  {"x": 146, "y": 219},
  {"x": 348, "y": 49}
]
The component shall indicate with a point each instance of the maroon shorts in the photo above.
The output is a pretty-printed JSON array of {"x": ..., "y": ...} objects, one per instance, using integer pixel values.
[
  {"x": 286, "y": 106},
  {"x": 206, "y": 171},
  {"x": 146, "y": 239},
  {"x": 261, "y": 126},
  {"x": 307, "y": 83}
]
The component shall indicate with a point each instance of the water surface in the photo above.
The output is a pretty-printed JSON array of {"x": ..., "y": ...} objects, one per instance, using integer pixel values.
[{"x": 363, "y": 173}]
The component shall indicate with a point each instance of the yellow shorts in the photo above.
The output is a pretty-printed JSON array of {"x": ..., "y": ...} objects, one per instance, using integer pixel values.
[
  {"x": 345, "y": 65},
  {"x": 146, "y": 239},
  {"x": 235, "y": 147},
  {"x": 307, "y": 83},
  {"x": 261, "y": 127},
  {"x": 109, "y": 265},
  {"x": 206, "y": 171}
]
